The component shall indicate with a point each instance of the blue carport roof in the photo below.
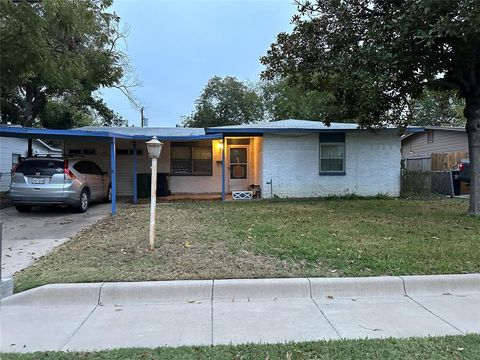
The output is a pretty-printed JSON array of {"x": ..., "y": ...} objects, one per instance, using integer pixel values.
[{"x": 107, "y": 133}]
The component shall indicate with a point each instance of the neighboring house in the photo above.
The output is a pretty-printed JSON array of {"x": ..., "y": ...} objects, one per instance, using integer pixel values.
[
  {"x": 12, "y": 149},
  {"x": 418, "y": 147},
  {"x": 289, "y": 158}
]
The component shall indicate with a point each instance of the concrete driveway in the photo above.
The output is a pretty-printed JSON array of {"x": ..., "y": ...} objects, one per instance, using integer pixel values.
[{"x": 29, "y": 236}]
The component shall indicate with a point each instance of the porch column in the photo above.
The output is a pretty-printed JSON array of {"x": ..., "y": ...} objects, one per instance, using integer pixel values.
[
  {"x": 134, "y": 149},
  {"x": 223, "y": 168},
  {"x": 113, "y": 175}
]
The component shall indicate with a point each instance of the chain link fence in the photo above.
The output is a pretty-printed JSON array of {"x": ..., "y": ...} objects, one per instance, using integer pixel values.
[{"x": 426, "y": 183}]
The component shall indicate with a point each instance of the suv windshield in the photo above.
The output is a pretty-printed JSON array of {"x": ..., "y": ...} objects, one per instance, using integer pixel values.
[{"x": 44, "y": 167}]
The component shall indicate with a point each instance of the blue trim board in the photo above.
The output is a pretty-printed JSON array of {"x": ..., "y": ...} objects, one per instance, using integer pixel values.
[
  {"x": 26, "y": 132},
  {"x": 88, "y": 135},
  {"x": 261, "y": 131},
  {"x": 181, "y": 138}
]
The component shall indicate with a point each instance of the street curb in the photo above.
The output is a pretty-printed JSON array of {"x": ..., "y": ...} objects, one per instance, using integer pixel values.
[
  {"x": 354, "y": 287},
  {"x": 261, "y": 289},
  {"x": 156, "y": 292},
  {"x": 57, "y": 294},
  {"x": 197, "y": 291},
  {"x": 441, "y": 284}
]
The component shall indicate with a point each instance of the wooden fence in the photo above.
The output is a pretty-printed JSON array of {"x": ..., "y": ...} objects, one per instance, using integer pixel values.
[{"x": 446, "y": 161}]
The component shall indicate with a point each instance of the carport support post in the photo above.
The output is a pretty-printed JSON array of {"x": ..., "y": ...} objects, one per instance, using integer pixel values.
[
  {"x": 113, "y": 175},
  {"x": 134, "y": 149},
  {"x": 223, "y": 168},
  {"x": 29, "y": 149}
]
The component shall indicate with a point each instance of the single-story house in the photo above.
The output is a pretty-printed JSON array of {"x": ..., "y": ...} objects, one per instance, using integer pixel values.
[
  {"x": 13, "y": 149},
  {"x": 418, "y": 147},
  {"x": 288, "y": 158}
]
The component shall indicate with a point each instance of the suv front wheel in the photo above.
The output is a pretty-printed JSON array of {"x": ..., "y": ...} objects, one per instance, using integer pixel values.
[{"x": 84, "y": 200}]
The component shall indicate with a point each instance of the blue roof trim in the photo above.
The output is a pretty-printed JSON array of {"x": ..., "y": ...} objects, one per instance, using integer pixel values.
[
  {"x": 181, "y": 138},
  {"x": 261, "y": 131},
  {"x": 22, "y": 132},
  {"x": 51, "y": 133}
]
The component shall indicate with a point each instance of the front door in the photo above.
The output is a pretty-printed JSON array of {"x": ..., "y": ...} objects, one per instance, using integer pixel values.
[{"x": 238, "y": 168}]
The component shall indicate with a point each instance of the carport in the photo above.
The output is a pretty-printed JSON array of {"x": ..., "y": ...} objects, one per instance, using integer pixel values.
[
  {"x": 81, "y": 135},
  {"x": 107, "y": 136}
]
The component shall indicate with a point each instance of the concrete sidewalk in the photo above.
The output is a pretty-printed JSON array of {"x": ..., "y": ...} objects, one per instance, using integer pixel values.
[{"x": 173, "y": 313}]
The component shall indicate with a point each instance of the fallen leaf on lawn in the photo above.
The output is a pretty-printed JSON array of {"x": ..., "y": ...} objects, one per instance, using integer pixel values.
[
  {"x": 333, "y": 271},
  {"x": 187, "y": 244}
]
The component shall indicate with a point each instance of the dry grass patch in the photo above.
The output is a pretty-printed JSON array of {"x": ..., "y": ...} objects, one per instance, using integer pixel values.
[{"x": 204, "y": 240}]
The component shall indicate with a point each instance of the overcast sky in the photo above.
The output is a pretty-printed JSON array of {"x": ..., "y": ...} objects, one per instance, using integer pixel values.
[{"x": 176, "y": 46}]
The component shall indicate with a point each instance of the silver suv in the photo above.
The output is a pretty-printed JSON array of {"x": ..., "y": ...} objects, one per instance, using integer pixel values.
[{"x": 48, "y": 180}]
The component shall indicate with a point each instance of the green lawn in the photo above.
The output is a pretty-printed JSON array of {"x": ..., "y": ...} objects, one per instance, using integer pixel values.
[
  {"x": 284, "y": 238},
  {"x": 450, "y": 347}
]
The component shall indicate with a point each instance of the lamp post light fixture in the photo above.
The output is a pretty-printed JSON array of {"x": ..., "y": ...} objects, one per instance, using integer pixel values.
[{"x": 154, "y": 148}]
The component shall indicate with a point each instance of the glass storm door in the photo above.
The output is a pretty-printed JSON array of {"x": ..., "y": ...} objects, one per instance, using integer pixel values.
[{"x": 238, "y": 168}]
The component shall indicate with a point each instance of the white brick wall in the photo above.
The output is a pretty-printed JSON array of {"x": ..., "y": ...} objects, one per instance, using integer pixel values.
[{"x": 292, "y": 162}]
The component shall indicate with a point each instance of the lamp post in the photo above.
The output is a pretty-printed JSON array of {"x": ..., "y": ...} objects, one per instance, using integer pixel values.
[{"x": 154, "y": 148}]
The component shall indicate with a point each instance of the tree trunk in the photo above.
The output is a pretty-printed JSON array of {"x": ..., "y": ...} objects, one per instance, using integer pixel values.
[
  {"x": 472, "y": 114},
  {"x": 27, "y": 121}
]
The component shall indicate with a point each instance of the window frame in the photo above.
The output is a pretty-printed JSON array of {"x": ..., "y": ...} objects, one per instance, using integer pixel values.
[
  {"x": 332, "y": 139},
  {"x": 430, "y": 137},
  {"x": 191, "y": 147}
]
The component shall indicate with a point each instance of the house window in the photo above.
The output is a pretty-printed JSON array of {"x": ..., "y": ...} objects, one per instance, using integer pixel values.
[
  {"x": 122, "y": 151},
  {"x": 190, "y": 160},
  {"x": 430, "y": 136},
  {"x": 128, "y": 152},
  {"x": 332, "y": 154}
]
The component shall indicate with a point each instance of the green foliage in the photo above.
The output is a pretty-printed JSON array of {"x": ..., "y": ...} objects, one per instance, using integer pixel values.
[
  {"x": 438, "y": 108},
  {"x": 226, "y": 101},
  {"x": 289, "y": 101},
  {"x": 55, "y": 56},
  {"x": 373, "y": 57}
]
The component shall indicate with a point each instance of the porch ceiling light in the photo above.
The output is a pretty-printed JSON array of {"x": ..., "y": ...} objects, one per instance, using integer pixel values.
[{"x": 154, "y": 148}]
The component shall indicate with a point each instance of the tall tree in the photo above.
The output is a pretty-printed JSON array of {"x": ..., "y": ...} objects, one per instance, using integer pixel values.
[
  {"x": 375, "y": 56},
  {"x": 283, "y": 100},
  {"x": 437, "y": 108},
  {"x": 55, "y": 55},
  {"x": 226, "y": 101}
]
